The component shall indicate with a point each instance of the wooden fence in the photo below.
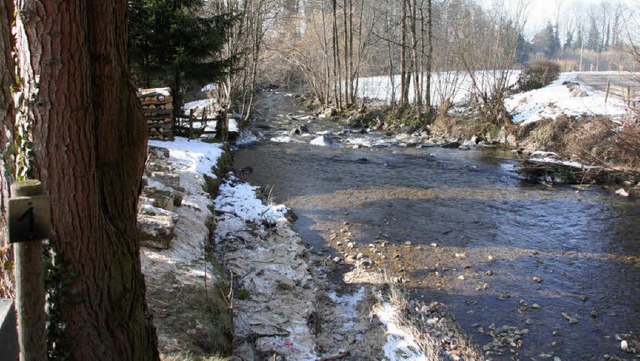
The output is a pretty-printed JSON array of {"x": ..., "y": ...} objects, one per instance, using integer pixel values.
[{"x": 191, "y": 126}]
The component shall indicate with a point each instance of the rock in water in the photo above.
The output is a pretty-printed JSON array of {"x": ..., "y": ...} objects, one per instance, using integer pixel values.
[
  {"x": 323, "y": 141},
  {"x": 624, "y": 345},
  {"x": 622, "y": 192}
]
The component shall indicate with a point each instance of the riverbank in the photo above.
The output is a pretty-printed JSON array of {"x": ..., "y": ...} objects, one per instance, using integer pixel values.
[
  {"x": 229, "y": 276},
  {"x": 459, "y": 227}
]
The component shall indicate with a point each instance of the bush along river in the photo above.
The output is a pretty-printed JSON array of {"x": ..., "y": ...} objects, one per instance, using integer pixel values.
[{"x": 530, "y": 272}]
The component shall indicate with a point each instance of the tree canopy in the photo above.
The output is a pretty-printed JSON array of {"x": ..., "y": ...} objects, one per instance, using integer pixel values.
[{"x": 174, "y": 40}]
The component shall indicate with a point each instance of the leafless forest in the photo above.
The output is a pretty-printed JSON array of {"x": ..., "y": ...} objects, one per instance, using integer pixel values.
[{"x": 324, "y": 47}]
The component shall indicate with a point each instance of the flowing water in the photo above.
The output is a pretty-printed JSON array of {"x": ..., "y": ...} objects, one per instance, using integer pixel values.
[{"x": 463, "y": 229}]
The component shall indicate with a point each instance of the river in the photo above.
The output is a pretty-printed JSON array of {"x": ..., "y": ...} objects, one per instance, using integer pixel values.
[{"x": 462, "y": 228}]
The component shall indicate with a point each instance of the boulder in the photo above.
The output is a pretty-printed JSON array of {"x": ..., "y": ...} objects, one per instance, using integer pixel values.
[
  {"x": 622, "y": 192},
  {"x": 149, "y": 210},
  {"x": 451, "y": 145},
  {"x": 323, "y": 141},
  {"x": 300, "y": 130},
  {"x": 167, "y": 179},
  {"x": 330, "y": 112},
  {"x": 156, "y": 231},
  {"x": 166, "y": 199},
  {"x": 159, "y": 152}
]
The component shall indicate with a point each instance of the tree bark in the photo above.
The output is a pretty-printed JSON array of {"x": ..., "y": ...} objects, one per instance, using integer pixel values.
[
  {"x": 6, "y": 141},
  {"x": 89, "y": 141},
  {"x": 429, "y": 69},
  {"x": 404, "y": 72}
]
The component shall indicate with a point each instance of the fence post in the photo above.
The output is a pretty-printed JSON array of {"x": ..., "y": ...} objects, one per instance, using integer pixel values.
[
  {"x": 8, "y": 332},
  {"x": 190, "y": 123},
  {"x": 29, "y": 223}
]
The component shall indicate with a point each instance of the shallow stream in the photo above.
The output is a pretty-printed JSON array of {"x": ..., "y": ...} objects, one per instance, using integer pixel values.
[{"x": 461, "y": 228}]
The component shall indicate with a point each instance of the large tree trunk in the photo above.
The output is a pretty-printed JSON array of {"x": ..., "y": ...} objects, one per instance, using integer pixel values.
[
  {"x": 89, "y": 142},
  {"x": 6, "y": 141}
]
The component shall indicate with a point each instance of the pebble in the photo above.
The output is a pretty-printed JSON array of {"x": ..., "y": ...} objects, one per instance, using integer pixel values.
[
  {"x": 504, "y": 297},
  {"x": 624, "y": 345},
  {"x": 337, "y": 260},
  {"x": 568, "y": 317},
  {"x": 407, "y": 243},
  {"x": 490, "y": 258},
  {"x": 434, "y": 245},
  {"x": 461, "y": 277},
  {"x": 557, "y": 359},
  {"x": 351, "y": 245},
  {"x": 489, "y": 273},
  {"x": 535, "y": 306},
  {"x": 460, "y": 255},
  {"x": 594, "y": 314},
  {"x": 537, "y": 279},
  {"x": 535, "y": 253},
  {"x": 482, "y": 287},
  {"x": 360, "y": 256},
  {"x": 339, "y": 243}
]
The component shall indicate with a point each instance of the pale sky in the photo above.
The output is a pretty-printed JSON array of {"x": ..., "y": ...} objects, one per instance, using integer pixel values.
[
  {"x": 542, "y": 10},
  {"x": 539, "y": 11}
]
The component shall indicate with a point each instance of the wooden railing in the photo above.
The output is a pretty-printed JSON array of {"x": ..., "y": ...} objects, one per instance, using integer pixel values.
[{"x": 191, "y": 126}]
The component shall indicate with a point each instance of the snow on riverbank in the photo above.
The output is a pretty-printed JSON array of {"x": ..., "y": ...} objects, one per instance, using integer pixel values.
[
  {"x": 282, "y": 304},
  {"x": 190, "y": 160},
  {"x": 456, "y": 86},
  {"x": 567, "y": 96}
]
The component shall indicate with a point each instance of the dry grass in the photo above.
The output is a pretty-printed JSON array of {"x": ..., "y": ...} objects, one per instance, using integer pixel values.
[
  {"x": 193, "y": 322},
  {"x": 433, "y": 338},
  {"x": 589, "y": 140}
]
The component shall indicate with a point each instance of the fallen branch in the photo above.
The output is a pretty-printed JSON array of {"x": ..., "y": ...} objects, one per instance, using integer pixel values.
[{"x": 567, "y": 172}]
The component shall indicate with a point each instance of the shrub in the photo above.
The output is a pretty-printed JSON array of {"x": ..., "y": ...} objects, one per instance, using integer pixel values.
[{"x": 539, "y": 74}]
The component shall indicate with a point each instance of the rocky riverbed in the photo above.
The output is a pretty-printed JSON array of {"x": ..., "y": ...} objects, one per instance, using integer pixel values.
[{"x": 278, "y": 290}]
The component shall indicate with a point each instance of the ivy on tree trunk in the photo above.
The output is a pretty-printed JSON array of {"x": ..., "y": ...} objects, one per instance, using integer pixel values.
[{"x": 89, "y": 147}]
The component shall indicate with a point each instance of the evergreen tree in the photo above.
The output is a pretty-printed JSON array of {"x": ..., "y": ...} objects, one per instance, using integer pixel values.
[
  {"x": 523, "y": 48},
  {"x": 568, "y": 41},
  {"x": 170, "y": 41},
  {"x": 579, "y": 40},
  {"x": 547, "y": 41},
  {"x": 593, "y": 37}
]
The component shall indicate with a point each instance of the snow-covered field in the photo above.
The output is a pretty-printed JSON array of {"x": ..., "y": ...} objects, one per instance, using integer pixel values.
[
  {"x": 568, "y": 96},
  {"x": 573, "y": 99},
  {"x": 457, "y": 87}
]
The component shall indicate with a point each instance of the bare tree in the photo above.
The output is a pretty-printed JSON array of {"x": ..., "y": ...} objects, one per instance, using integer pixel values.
[{"x": 486, "y": 48}]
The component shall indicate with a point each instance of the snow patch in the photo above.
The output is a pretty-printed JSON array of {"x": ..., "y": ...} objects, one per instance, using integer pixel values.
[
  {"x": 240, "y": 199},
  {"x": 557, "y": 99},
  {"x": 400, "y": 345}
]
